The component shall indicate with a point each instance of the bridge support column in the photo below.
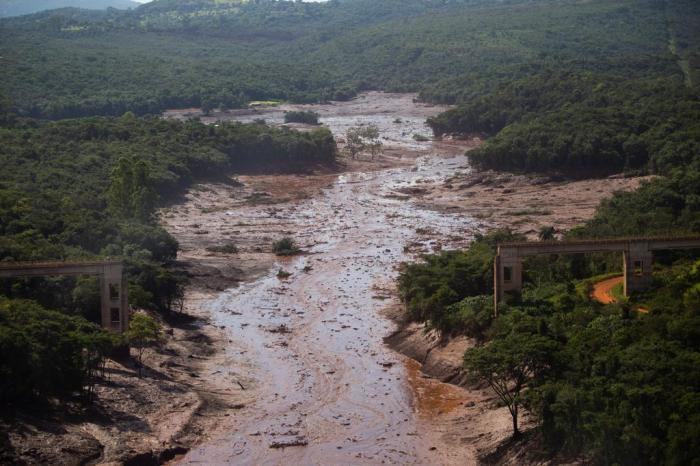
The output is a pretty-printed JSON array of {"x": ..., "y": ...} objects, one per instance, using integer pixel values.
[
  {"x": 507, "y": 276},
  {"x": 637, "y": 266},
  {"x": 114, "y": 300}
]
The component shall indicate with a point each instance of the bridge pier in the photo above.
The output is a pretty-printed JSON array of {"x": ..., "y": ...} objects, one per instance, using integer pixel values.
[
  {"x": 507, "y": 275},
  {"x": 637, "y": 265},
  {"x": 114, "y": 299}
]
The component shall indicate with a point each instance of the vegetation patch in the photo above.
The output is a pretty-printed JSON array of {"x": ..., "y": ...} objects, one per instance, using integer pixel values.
[
  {"x": 228, "y": 248},
  {"x": 285, "y": 247},
  {"x": 309, "y": 118}
]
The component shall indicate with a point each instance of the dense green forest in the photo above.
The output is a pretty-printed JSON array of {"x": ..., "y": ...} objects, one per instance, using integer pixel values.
[
  {"x": 583, "y": 121},
  {"x": 201, "y": 52},
  {"x": 88, "y": 188}
]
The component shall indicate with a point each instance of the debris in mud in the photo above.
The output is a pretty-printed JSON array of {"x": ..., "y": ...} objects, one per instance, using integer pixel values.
[
  {"x": 279, "y": 329},
  {"x": 295, "y": 442},
  {"x": 412, "y": 190},
  {"x": 226, "y": 248}
]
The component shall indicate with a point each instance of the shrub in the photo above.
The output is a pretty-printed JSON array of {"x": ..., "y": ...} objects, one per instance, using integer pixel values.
[{"x": 285, "y": 247}]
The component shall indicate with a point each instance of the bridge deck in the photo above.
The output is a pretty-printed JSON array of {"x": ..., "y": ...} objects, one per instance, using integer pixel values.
[
  {"x": 39, "y": 269},
  {"x": 598, "y": 245}
]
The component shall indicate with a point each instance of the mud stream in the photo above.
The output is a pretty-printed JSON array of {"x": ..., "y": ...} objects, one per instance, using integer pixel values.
[{"x": 328, "y": 390}]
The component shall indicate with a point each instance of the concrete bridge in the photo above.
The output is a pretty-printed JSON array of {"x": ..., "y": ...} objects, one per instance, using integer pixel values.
[
  {"x": 113, "y": 290},
  {"x": 637, "y": 259}
]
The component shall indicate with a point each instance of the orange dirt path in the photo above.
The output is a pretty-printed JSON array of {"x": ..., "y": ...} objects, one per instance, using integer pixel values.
[{"x": 602, "y": 291}]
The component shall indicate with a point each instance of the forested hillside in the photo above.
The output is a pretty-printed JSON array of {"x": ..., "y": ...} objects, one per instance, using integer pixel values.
[
  {"x": 605, "y": 383},
  {"x": 637, "y": 112}
]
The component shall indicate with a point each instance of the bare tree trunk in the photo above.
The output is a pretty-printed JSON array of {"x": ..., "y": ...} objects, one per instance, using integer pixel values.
[{"x": 514, "y": 413}]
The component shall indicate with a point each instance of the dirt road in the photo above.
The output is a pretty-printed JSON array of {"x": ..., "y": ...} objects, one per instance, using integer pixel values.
[{"x": 602, "y": 291}]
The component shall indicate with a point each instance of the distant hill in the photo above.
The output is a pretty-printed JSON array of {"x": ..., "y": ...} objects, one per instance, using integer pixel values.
[{"x": 25, "y": 7}]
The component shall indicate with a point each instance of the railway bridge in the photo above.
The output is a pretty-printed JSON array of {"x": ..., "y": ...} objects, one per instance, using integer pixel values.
[
  {"x": 637, "y": 258},
  {"x": 114, "y": 303}
]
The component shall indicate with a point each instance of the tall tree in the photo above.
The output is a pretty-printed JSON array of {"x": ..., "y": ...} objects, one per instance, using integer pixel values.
[
  {"x": 507, "y": 364},
  {"x": 130, "y": 193}
]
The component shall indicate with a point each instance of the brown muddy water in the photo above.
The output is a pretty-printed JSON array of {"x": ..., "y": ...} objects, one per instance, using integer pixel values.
[{"x": 328, "y": 390}]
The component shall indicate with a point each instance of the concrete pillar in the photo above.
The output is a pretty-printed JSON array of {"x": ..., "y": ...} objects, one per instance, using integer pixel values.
[
  {"x": 497, "y": 288},
  {"x": 637, "y": 264},
  {"x": 507, "y": 275},
  {"x": 114, "y": 300}
]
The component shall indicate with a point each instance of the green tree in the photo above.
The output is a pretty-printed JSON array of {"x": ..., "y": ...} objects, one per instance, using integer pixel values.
[
  {"x": 507, "y": 364},
  {"x": 361, "y": 139},
  {"x": 144, "y": 332},
  {"x": 472, "y": 316},
  {"x": 130, "y": 194},
  {"x": 285, "y": 247},
  {"x": 547, "y": 233}
]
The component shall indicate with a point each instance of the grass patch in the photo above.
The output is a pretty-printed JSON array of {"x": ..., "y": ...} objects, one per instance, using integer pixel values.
[
  {"x": 265, "y": 103},
  {"x": 618, "y": 292}
]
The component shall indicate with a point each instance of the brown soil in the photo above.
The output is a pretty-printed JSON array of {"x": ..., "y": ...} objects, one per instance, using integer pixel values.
[
  {"x": 524, "y": 203},
  {"x": 602, "y": 292}
]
